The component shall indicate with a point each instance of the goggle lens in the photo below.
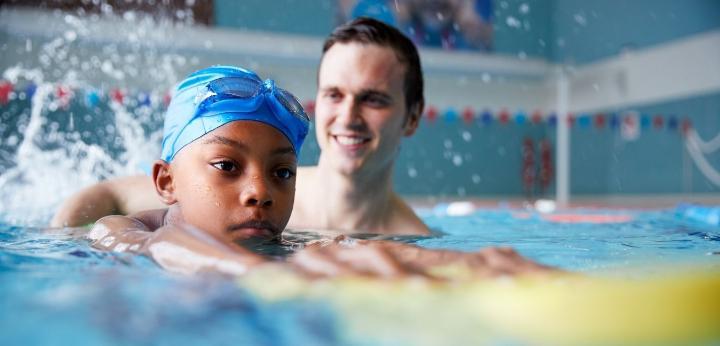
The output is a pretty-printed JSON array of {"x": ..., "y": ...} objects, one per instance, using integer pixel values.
[
  {"x": 292, "y": 104},
  {"x": 247, "y": 88}
]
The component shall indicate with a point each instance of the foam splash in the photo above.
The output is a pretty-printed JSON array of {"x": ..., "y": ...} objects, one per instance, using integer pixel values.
[
  {"x": 53, "y": 147},
  {"x": 53, "y": 160}
]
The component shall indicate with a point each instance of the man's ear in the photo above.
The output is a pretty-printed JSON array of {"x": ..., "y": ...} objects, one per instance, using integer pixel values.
[
  {"x": 413, "y": 120},
  {"x": 163, "y": 180}
]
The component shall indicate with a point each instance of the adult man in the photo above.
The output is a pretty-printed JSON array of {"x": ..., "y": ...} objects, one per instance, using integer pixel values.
[{"x": 370, "y": 95}]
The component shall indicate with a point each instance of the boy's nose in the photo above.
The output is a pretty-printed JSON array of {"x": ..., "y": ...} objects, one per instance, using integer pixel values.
[{"x": 256, "y": 193}]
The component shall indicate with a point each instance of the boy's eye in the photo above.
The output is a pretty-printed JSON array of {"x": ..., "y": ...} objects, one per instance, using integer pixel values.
[
  {"x": 285, "y": 173},
  {"x": 227, "y": 166}
]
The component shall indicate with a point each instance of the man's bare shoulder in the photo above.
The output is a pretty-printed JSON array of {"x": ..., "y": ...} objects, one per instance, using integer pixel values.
[
  {"x": 301, "y": 216},
  {"x": 404, "y": 220},
  {"x": 305, "y": 185},
  {"x": 305, "y": 172}
]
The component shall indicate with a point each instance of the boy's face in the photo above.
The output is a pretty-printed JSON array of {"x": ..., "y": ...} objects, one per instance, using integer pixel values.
[
  {"x": 360, "y": 110},
  {"x": 237, "y": 182}
]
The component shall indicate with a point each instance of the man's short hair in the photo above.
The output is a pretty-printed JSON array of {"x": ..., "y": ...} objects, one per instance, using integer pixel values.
[{"x": 368, "y": 30}]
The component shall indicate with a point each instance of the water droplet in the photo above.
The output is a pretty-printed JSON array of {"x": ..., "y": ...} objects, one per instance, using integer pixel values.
[
  {"x": 12, "y": 140},
  {"x": 70, "y": 36},
  {"x": 513, "y": 22},
  {"x": 486, "y": 78},
  {"x": 457, "y": 160},
  {"x": 580, "y": 19},
  {"x": 524, "y": 8},
  {"x": 130, "y": 16}
]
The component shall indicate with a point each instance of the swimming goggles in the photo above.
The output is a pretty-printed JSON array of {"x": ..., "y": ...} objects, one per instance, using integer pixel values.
[{"x": 239, "y": 97}]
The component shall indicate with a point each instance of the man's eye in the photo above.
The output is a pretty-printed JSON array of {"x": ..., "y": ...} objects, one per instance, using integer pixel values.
[
  {"x": 284, "y": 173},
  {"x": 375, "y": 101},
  {"x": 333, "y": 95},
  {"x": 227, "y": 166}
]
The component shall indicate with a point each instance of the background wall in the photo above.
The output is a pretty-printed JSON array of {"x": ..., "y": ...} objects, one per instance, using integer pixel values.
[
  {"x": 586, "y": 31},
  {"x": 281, "y": 40}
]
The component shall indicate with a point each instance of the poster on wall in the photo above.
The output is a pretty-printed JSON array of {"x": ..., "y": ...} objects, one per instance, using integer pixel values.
[{"x": 447, "y": 24}]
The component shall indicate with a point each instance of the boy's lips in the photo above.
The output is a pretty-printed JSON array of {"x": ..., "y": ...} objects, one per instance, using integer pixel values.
[{"x": 255, "y": 228}]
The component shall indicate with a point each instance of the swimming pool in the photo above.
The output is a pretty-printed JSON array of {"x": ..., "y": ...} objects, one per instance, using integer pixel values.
[{"x": 58, "y": 290}]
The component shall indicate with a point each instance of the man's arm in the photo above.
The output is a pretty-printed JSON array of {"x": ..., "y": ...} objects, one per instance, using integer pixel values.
[{"x": 123, "y": 195}]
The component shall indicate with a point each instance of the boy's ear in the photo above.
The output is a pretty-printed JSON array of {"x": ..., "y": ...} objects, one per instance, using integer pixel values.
[
  {"x": 413, "y": 119},
  {"x": 163, "y": 180}
]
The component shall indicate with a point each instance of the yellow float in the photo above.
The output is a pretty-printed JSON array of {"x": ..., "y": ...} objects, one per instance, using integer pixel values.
[{"x": 679, "y": 307}]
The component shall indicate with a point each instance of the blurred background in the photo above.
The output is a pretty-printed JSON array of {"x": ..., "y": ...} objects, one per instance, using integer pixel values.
[{"x": 526, "y": 99}]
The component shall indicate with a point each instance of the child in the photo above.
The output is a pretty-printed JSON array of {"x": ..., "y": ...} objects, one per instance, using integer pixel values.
[{"x": 229, "y": 158}]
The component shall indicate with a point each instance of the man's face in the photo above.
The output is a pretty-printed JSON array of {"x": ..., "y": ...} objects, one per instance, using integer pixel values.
[
  {"x": 360, "y": 108},
  {"x": 237, "y": 182}
]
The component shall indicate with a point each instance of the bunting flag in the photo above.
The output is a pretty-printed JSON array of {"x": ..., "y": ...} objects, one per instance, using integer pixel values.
[
  {"x": 686, "y": 126},
  {"x": 166, "y": 99},
  {"x": 92, "y": 98},
  {"x": 117, "y": 95},
  {"x": 309, "y": 106},
  {"x": 451, "y": 115},
  {"x": 645, "y": 121},
  {"x": 658, "y": 122},
  {"x": 627, "y": 123},
  {"x": 30, "y": 90},
  {"x": 63, "y": 94},
  {"x": 144, "y": 99},
  {"x": 431, "y": 113},
  {"x": 486, "y": 118},
  {"x": 536, "y": 117},
  {"x": 504, "y": 116},
  {"x": 5, "y": 89},
  {"x": 468, "y": 115},
  {"x": 552, "y": 119}
]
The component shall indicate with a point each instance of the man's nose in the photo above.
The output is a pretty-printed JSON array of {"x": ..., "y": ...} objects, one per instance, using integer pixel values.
[
  {"x": 349, "y": 113},
  {"x": 256, "y": 193}
]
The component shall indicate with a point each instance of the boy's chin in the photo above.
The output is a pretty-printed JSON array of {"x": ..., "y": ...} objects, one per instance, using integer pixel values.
[
  {"x": 253, "y": 233},
  {"x": 252, "y": 238}
]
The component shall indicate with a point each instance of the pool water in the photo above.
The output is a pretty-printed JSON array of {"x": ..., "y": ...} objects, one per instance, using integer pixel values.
[{"x": 58, "y": 290}]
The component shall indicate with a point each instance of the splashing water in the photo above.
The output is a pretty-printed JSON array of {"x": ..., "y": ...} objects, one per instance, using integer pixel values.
[
  {"x": 52, "y": 145},
  {"x": 52, "y": 162}
]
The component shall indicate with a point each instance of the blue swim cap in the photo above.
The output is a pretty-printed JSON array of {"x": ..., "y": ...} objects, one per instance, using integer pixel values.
[{"x": 215, "y": 96}]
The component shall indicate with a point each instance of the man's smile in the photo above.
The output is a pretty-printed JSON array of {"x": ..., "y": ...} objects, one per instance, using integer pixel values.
[{"x": 351, "y": 141}]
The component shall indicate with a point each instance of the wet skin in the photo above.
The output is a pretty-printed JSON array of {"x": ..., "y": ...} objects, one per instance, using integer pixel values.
[{"x": 237, "y": 182}]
